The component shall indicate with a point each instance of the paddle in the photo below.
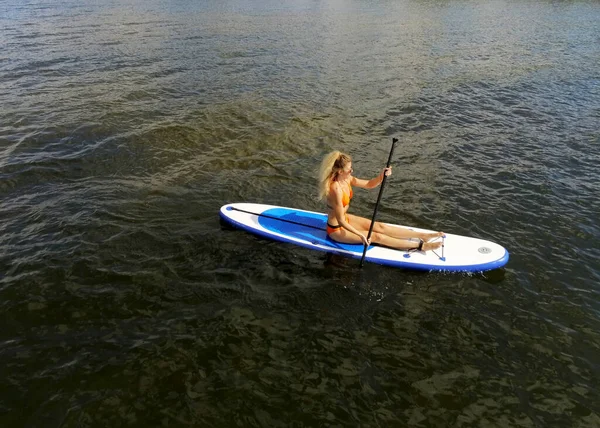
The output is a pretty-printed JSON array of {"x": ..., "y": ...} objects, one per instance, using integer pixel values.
[{"x": 394, "y": 141}]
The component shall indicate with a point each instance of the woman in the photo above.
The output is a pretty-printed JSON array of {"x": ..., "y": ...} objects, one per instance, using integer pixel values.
[{"x": 336, "y": 183}]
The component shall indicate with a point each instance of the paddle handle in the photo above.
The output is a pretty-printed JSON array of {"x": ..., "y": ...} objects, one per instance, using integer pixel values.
[{"x": 389, "y": 161}]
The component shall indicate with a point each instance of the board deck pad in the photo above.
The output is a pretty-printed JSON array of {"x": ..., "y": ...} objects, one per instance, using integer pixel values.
[{"x": 308, "y": 229}]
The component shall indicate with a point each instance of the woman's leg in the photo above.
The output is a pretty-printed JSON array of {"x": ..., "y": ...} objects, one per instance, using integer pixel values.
[
  {"x": 401, "y": 244},
  {"x": 346, "y": 237},
  {"x": 398, "y": 232}
]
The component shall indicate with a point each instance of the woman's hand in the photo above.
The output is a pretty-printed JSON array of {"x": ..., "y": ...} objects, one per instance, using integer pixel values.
[
  {"x": 387, "y": 171},
  {"x": 364, "y": 239}
]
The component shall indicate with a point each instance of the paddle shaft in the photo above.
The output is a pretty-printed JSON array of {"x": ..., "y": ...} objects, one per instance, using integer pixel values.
[{"x": 394, "y": 141}]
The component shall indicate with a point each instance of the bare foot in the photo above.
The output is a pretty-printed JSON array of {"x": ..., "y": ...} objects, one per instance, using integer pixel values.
[
  {"x": 429, "y": 236},
  {"x": 431, "y": 246}
]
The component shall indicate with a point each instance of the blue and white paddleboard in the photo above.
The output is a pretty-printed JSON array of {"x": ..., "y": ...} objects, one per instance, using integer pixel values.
[{"x": 307, "y": 229}]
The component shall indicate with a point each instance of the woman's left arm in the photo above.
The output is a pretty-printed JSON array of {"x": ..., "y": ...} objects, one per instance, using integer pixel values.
[{"x": 373, "y": 182}]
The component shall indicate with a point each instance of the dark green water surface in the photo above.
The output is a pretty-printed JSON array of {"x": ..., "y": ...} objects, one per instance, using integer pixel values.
[{"x": 125, "y": 126}]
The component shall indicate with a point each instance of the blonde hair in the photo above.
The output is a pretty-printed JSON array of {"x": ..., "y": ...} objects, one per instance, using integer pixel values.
[{"x": 331, "y": 166}]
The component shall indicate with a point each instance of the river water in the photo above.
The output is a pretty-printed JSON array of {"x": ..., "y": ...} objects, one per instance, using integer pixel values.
[{"x": 125, "y": 126}]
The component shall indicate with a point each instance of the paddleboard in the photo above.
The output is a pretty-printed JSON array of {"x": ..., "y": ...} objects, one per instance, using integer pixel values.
[{"x": 307, "y": 229}]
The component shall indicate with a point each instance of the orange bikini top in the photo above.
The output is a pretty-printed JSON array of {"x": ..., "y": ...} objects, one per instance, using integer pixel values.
[{"x": 346, "y": 197}]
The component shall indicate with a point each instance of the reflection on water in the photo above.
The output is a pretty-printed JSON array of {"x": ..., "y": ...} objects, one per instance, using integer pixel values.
[{"x": 124, "y": 128}]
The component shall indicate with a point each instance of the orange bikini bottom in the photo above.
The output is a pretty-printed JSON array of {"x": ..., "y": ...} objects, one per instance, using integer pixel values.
[{"x": 331, "y": 229}]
